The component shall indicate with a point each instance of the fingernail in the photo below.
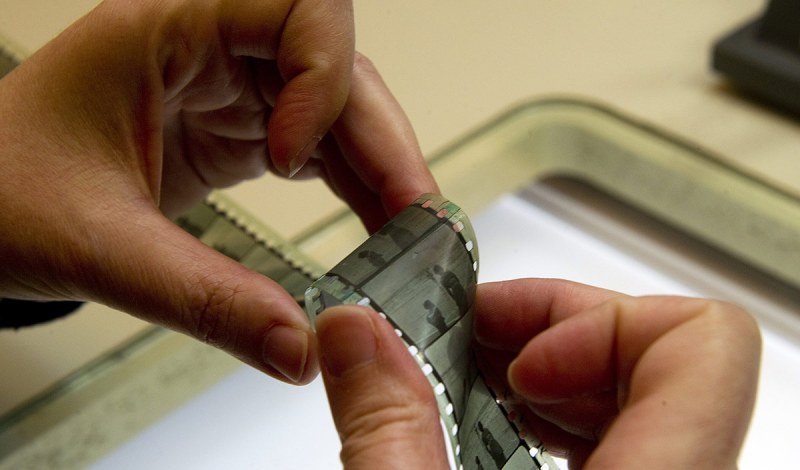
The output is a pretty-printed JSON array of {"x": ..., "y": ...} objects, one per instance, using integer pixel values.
[
  {"x": 295, "y": 165},
  {"x": 286, "y": 350},
  {"x": 299, "y": 160},
  {"x": 349, "y": 343}
]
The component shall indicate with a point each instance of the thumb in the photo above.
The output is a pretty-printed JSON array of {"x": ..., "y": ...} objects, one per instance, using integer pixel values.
[
  {"x": 160, "y": 273},
  {"x": 382, "y": 405}
]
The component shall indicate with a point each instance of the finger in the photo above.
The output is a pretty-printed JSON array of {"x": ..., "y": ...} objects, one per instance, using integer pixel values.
[
  {"x": 379, "y": 144},
  {"x": 554, "y": 425},
  {"x": 315, "y": 58},
  {"x": 313, "y": 43},
  {"x": 348, "y": 186},
  {"x": 587, "y": 416},
  {"x": 216, "y": 162},
  {"x": 243, "y": 119},
  {"x": 382, "y": 405},
  {"x": 509, "y": 313},
  {"x": 374, "y": 162},
  {"x": 221, "y": 161},
  {"x": 160, "y": 273},
  {"x": 494, "y": 364},
  {"x": 557, "y": 441},
  {"x": 668, "y": 358}
]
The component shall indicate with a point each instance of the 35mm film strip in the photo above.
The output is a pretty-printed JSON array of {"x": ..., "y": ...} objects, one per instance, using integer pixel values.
[
  {"x": 222, "y": 225},
  {"x": 419, "y": 272}
]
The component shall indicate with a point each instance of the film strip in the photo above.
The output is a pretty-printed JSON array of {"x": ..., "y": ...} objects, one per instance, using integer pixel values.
[
  {"x": 419, "y": 272},
  {"x": 222, "y": 225}
]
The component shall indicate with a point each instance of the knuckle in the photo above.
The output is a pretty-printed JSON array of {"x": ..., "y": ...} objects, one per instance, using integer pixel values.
[
  {"x": 624, "y": 306},
  {"x": 720, "y": 317},
  {"x": 731, "y": 317},
  {"x": 363, "y": 67},
  {"x": 210, "y": 313},
  {"x": 384, "y": 426}
]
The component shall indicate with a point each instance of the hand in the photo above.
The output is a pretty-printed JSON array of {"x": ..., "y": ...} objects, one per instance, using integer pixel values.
[
  {"x": 382, "y": 404},
  {"x": 606, "y": 380},
  {"x": 611, "y": 381},
  {"x": 140, "y": 108}
]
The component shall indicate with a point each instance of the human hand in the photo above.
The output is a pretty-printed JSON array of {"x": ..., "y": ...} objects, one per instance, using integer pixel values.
[
  {"x": 382, "y": 404},
  {"x": 606, "y": 380},
  {"x": 611, "y": 381},
  {"x": 139, "y": 109}
]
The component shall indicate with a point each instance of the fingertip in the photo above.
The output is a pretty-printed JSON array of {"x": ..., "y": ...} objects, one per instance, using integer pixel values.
[
  {"x": 347, "y": 339},
  {"x": 292, "y": 353},
  {"x": 538, "y": 374},
  {"x": 382, "y": 405},
  {"x": 524, "y": 383},
  {"x": 516, "y": 376},
  {"x": 261, "y": 324},
  {"x": 296, "y": 127},
  {"x": 315, "y": 58}
]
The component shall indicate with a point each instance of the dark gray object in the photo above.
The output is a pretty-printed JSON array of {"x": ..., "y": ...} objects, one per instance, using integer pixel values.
[{"x": 762, "y": 57}]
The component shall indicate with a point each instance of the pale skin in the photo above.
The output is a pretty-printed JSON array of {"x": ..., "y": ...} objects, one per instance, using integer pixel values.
[
  {"x": 139, "y": 109},
  {"x": 606, "y": 380}
]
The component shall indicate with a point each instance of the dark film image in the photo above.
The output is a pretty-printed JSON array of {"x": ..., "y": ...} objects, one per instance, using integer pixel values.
[
  {"x": 415, "y": 266},
  {"x": 384, "y": 246},
  {"x": 485, "y": 432},
  {"x": 451, "y": 357}
]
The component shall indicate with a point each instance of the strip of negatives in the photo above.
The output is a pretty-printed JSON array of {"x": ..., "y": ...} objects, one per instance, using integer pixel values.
[
  {"x": 420, "y": 272},
  {"x": 227, "y": 229}
]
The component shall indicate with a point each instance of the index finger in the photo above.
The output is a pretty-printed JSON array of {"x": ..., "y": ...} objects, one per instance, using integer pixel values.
[
  {"x": 509, "y": 313},
  {"x": 378, "y": 144}
]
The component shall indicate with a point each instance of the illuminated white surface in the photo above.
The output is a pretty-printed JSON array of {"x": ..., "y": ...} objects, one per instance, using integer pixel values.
[{"x": 250, "y": 421}]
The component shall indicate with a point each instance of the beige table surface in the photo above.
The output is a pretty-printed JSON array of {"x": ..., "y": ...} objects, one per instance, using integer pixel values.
[{"x": 453, "y": 65}]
